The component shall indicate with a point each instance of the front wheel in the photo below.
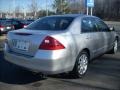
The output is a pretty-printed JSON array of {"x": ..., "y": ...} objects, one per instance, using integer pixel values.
[
  {"x": 81, "y": 64},
  {"x": 115, "y": 47}
]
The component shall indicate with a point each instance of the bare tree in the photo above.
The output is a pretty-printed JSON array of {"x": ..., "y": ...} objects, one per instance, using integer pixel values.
[
  {"x": 77, "y": 6},
  {"x": 107, "y": 9},
  {"x": 61, "y": 6},
  {"x": 17, "y": 11},
  {"x": 33, "y": 7}
]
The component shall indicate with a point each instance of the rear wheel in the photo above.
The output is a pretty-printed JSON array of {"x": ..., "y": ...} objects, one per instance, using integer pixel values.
[{"x": 81, "y": 64}]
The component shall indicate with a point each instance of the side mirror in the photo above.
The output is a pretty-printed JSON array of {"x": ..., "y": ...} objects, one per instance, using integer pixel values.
[{"x": 112, "y": 29}]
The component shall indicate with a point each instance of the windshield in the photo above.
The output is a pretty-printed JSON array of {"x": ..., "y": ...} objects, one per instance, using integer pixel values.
[{"x": 51, "y": 23}]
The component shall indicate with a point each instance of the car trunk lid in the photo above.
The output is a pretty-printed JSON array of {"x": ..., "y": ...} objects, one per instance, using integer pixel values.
[{"x": 25, "y": 42}]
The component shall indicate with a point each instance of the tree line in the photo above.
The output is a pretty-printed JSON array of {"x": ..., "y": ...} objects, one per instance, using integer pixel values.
[{"x": 105, "y": 9}]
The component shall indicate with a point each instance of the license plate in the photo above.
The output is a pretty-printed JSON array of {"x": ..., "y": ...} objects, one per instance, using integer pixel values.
[{"x": 20, "y": 44}]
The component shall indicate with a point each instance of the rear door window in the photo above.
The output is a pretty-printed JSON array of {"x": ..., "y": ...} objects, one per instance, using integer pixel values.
[{"x": 88, "y": 25}]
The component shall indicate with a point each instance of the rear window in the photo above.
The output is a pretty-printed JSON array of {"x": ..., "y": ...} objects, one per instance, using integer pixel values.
[
  {"x": 3, "y": 22},
  {"x": 51, "y": 23},
  {"x": 8, "y": 23}
]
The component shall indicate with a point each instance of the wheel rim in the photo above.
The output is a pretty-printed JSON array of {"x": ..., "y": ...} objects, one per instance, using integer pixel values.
[
  {"x": 82, "y": 64},
  {"x": 115, "y": 46}
]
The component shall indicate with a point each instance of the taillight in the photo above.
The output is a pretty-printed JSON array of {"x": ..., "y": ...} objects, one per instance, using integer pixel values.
[
  {"x": 24, "y": 26},
  {"x": 49, "y": 43},
  {"x": 2, "y": 28}
]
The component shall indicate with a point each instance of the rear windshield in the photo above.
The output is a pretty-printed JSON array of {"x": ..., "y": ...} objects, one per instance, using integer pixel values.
[
  {"x": 8, "y": 23},
  {"x": 51, "y": 23},
  {"x": 3, "y": 22}
]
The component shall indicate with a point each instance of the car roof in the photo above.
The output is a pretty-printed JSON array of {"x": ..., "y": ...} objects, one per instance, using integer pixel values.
[
  {"x": 67, "y": 15},
  {"x": 73, "y": 15}
]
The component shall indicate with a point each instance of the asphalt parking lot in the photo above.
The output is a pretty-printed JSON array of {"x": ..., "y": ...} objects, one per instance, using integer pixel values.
[{"x": 103, "y": 74}]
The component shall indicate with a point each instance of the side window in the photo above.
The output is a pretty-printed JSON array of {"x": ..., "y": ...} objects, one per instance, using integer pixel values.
[
  {"x": 101, "y": 26},
  {"x": 88, "y": 25}
]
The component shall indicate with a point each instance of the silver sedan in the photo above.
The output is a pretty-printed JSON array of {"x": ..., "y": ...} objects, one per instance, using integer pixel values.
[{"x": 60, "y": 43}]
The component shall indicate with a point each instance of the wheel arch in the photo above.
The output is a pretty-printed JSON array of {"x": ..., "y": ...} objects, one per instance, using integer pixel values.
[
  {"x": 74, "y": 68},
  {"x": 88, "y": 51},
  {"x": 117, "y": 38}
]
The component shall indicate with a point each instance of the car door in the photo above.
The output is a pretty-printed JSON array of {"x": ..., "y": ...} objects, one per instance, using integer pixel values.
[
  {"x": 106, "y": 33},
  {"x": 94, "y": 37}
]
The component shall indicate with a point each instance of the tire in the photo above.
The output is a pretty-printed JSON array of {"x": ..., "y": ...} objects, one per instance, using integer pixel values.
[
  {"x": 115, "y": 47},
  {"x": 81, "y": 64}
]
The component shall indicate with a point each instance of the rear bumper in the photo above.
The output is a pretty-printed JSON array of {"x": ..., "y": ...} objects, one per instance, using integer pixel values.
[
  {"x": 41, "y": 64},
  {"x": 4, "y": 32}
]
